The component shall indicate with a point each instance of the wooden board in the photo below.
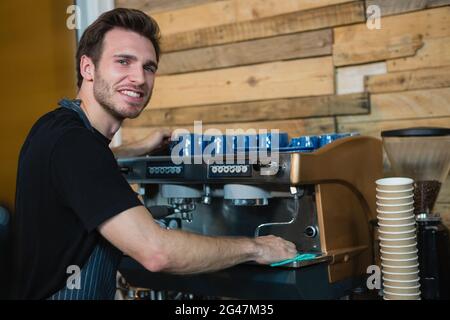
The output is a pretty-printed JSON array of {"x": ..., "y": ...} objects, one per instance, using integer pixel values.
[
  {"x": 434, "y": 53},
  {"x": 159, "y": 5},
  {"x": 298, "y": 45},
  {"x": 374, "y": 128},
  {"x": 294, "y": 128},
  {"x": 405, "y": 105},
  {"x": 230, "y": 11},
  {"x": 278, "y": 109},
  {"x": 390, "y": 7},
  {"x": 399, "y": 36},
  {"x": 409, "y": 80},
  {"x": 299, "y": 21},
  {"x": 296, "y": 78},
  {"x": 363, "y": 52},
  {"x": 351, "y": 79}
]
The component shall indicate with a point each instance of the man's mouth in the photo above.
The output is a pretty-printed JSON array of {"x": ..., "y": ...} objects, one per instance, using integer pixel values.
[{"x": 131, "y": 93}]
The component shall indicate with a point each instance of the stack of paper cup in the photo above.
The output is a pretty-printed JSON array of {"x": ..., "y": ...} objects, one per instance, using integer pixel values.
[{"x": 398, "y": 242}]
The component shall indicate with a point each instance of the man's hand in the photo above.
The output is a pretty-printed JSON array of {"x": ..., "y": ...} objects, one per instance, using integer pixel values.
[
  {"x": 273, "y": 249},
  {"x": 158, "y": 138}
]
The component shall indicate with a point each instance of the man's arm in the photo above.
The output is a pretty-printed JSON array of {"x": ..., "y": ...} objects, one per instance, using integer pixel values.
[
  {"x": 135, "y": 233},
  {"x": 157, "y": 139}
]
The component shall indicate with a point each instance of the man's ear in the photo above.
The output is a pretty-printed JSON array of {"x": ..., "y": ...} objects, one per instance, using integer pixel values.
[{"x": 87, "y": 68}]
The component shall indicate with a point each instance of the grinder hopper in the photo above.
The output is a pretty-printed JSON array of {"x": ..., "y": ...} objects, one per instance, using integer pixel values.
[{"x": 422, "y": 154}]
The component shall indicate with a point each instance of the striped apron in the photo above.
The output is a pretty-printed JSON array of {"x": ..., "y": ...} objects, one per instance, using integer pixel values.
[{"x": 98, "y": 275}]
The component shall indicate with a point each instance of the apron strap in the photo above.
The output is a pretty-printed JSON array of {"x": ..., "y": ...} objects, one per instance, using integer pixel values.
[{"x": 75, "y": 105}]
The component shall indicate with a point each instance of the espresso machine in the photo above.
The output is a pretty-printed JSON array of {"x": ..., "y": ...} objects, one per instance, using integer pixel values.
[
  {"x": 315, "y": 191},
  {"x": 423, "y": 154}
]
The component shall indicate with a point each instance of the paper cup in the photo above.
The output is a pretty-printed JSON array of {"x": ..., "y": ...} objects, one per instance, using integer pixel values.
[
  {"x": 390, "y": 220},
  {"x": 396, "y": 296},
  {"x": 397, "y": 242},
  {"x": 395, "y": 207},
  {"x": 404, "y": 248},
  {"x": 400, "y": 262},
  {"x": 399, "y": 269},
  {"x": 394, "y": 193},
  {"x": 385, "y": 298},
  {"x": 396, "y": 227},
  {"x": 400, "y": 276},
  {"x": 395, "y": 200},
  {"x": 394, "y": 183},
  {"x": 399, "y": 255},
  {"x": 397, "y": 235},
  {"x": 402, "y": 290},
  {"x": 393, "y": 284},
  {"x": 395, "y": 214},
  {"x": 403, "y": 277}
]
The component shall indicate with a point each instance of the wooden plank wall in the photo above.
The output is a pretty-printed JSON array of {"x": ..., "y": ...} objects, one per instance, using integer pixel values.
[{"x": 304, "y": 67}]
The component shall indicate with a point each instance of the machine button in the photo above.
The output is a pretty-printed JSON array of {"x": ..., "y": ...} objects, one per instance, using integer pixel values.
[
  {"x": 226, "y": 169},
  {"x": 151, "y": 170},
  {"x": 232, "y": 169},
  {"x": 172, "y": 170},
  {"x": 244, "y": 169},
  {"x": 238, "y": 169},
  {"x": 157, "y": 170},
  {"x": 178, "y": 170},
  {"x": 214, "y": 169},
  {"x": 219, "y": 169},
  {"x": 310, "y": 231}
]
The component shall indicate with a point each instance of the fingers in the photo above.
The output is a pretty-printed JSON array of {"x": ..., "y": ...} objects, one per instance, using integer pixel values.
[
  {"x": 288, "y": 244},
  {"x": 275, "y": 249},
  {"x": 291, "y": 248}
]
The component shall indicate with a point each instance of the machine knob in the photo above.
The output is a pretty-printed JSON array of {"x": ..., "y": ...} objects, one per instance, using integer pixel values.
[
  {"x": 269, "y": 169},
  {"x": 310, "y": 231}
]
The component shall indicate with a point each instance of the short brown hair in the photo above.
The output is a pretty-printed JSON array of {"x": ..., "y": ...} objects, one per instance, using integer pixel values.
[{"x": 91, "y": 42}]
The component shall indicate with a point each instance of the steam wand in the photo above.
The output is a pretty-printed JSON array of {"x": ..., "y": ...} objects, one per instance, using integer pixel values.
[{"x": 297, "y": 194}]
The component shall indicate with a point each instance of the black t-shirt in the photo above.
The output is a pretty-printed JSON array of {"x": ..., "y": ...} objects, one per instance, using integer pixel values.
[{"x": 68, "y": 183}]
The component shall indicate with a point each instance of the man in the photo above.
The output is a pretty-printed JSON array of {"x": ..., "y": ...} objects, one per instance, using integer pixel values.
[{"x": 75, "y": 213}]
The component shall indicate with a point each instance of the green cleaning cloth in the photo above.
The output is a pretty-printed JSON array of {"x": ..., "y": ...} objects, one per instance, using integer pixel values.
[{"x": 298, "y": 257}]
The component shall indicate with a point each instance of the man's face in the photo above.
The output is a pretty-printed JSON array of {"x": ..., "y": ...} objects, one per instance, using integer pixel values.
[{"x": 125, "y": 73}]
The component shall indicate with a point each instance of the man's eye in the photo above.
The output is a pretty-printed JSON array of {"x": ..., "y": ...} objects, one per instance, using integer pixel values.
[
  {"x": 151, "y": 69},
  {"x": 123, "y": 62}
]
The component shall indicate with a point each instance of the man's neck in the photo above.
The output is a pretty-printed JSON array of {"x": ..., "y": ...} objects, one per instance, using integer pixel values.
[{"x": 99, "y": 118}]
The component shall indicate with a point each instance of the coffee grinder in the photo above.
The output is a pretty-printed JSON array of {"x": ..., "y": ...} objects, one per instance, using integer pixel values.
[{"x": 423, "y": 154}]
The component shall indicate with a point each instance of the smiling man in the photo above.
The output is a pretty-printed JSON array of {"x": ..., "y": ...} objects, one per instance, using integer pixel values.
[{"x": 75, "y": 213}]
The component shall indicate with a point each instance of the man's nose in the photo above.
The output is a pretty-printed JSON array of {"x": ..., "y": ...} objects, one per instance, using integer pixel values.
[{"x": 137, "y": 75}]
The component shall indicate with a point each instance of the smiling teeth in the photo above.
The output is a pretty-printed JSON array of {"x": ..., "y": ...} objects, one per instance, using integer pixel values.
[{"x": 131, "y": 93}]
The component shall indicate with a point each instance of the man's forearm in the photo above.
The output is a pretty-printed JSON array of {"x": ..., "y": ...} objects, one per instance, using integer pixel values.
[
  {"x": 133, "y": 149},
  {"x": 191, "y": 253},
  {"x": 157, "y": 139},
  {"x": 136, "y": 233}
]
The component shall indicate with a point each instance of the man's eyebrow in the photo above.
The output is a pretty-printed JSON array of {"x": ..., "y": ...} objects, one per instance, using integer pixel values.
[{"x": 134, "y": 58}]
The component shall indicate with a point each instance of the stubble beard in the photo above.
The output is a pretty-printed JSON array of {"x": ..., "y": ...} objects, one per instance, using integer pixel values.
[{"x": 103, "y": 93}]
